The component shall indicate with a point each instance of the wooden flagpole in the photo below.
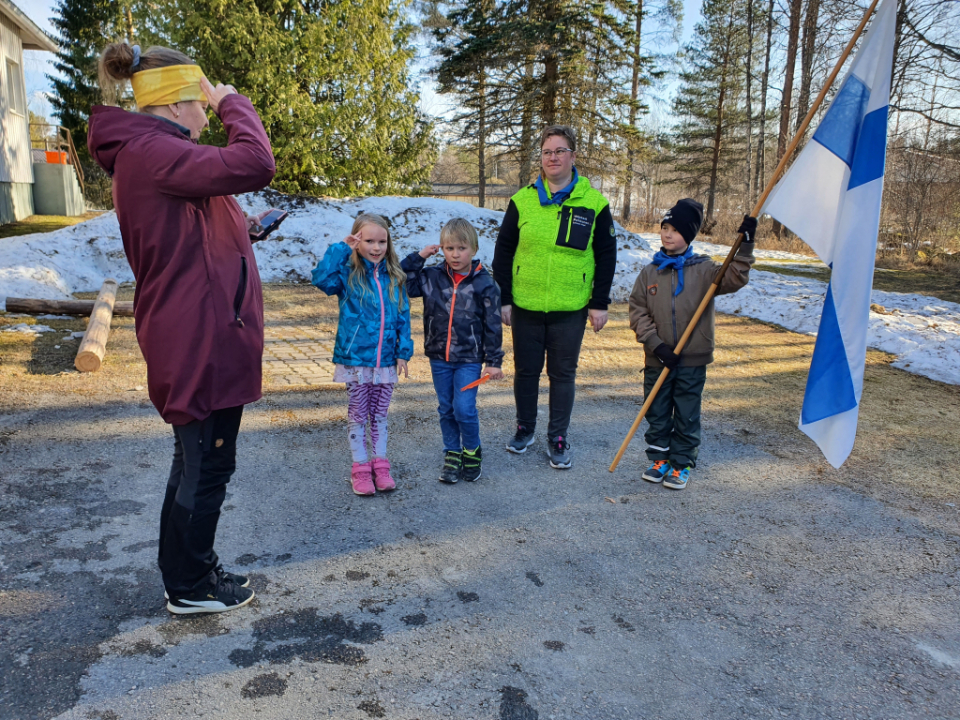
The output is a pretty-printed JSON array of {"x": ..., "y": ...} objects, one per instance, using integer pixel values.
[{"x": 711, "y": 291}]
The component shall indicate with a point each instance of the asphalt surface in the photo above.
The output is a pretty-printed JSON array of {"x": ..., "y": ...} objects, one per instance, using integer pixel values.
[{"x": 761, "y": 591}]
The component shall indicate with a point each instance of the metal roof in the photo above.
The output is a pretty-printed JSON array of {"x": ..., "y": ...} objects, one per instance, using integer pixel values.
[{"x": 31, "y": 35}]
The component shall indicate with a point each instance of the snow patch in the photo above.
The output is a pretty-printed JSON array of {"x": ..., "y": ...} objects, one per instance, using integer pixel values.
[{"x": 923, "y": 332}]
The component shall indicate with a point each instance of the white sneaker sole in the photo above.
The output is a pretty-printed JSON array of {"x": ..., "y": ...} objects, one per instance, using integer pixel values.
[
  {"x": 652, "y": 479},
  {"x": 522, "y": 450},
  {"x": 208, "y": 607}
]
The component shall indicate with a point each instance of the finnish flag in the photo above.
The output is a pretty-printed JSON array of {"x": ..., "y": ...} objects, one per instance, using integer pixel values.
[{"x": 830, "y": 197}]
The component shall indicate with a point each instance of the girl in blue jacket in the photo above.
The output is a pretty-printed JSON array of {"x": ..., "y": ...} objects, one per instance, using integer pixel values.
[{"x": 373, "y": 339}]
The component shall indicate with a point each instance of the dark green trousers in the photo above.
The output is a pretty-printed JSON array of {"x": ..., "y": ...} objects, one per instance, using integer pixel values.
[{"x": 673, "y": 431}]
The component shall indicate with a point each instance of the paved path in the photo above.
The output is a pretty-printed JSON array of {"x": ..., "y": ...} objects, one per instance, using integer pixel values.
[{"x": 297, "y": 356}]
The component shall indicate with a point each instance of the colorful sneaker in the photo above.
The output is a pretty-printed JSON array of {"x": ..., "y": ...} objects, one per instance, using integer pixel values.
[
  {"x": 657, "y": 472},
  {"x": 452, "y": 465},
  {"x": 471, "y": 464},
  {"x": 241, "y": 580},
  {"x": 361, "y": 478},
  {"x": 676, "y": 479},
  {"x": 225, "y": 595},
  {"x": 522, "y": 440},
  {"x": 381, "y": 475},
  {"x": 559, "y": 451}
]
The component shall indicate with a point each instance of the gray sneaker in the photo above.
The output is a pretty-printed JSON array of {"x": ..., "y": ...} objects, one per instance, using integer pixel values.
[
  {"x": 559, "y": 450},
  {"x": 521, "y": 441}
]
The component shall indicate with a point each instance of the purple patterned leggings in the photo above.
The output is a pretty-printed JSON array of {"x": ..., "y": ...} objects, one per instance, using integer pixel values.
[{"x": 368, "y": 406}]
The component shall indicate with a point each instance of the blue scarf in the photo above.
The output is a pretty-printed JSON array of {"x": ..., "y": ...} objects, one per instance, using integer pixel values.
[
  {"x": 560, "y": 195},
  {"x": 662, "y": 260}
]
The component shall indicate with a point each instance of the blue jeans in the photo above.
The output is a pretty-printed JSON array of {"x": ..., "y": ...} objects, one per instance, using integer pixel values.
[{"x": 459, "y": 421}]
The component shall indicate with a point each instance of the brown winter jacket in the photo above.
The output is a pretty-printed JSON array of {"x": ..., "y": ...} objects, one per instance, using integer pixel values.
[
  {"x": 656, "y": 316},
  {"x": 198, "y": 304}
]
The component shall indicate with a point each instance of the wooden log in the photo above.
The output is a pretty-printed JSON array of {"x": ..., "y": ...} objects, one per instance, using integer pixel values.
[
  {"x": 37, "y": 306},
  {"x": 94, "y": 344}
]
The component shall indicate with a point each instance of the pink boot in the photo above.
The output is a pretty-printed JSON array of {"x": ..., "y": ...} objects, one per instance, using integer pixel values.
[
  {"x": 381, "y": 474},
  {"x": 361, "y": 479}
]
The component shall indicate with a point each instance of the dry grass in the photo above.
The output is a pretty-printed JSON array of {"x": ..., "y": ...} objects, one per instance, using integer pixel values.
[
  {"x": 44, "y": 223},
  {"x": 906, "y": 447}
]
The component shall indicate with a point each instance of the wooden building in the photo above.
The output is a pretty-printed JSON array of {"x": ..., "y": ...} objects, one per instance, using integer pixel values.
[{"x": 17, "y": 33}]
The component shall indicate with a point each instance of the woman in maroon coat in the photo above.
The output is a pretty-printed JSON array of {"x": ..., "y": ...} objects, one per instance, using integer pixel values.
[{"x": 198, "y": 302}]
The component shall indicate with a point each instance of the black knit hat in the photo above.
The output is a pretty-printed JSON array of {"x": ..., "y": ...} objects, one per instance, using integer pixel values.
[{"x": 687, "y": 217}]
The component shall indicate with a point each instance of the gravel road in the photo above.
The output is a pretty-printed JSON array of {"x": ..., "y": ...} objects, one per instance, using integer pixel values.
[{"x": 763, "y": 590}]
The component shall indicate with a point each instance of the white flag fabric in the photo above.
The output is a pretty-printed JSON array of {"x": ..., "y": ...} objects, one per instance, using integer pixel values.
[{"x": 830, "y": 197}]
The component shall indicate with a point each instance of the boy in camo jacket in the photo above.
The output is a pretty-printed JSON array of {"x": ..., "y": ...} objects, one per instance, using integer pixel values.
[{"x": 461, "y": 332}]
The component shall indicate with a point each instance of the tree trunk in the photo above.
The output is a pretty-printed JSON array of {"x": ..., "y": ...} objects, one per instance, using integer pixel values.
[
  {"x": 94, "y": 343},
  {"x": 482, "y": 135},
  {"x": 785, "y": 102},
  {"x": 806, "y": 59},
  {"x": 37, "y": 306},
  {"x": 634, "y": 94},
  {"x": 551, "y": 72},
  {"x": 762, "y": 140}
]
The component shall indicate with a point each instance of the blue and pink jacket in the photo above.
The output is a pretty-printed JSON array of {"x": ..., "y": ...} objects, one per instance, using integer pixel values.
[{"x": 374, "y": 326}]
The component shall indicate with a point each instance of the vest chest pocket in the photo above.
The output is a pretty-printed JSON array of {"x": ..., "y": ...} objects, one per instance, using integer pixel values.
[{"x": 576, "y": 227}]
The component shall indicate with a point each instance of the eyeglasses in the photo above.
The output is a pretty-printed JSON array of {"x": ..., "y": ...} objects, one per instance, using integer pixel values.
[{"x": 559, "y": 153}]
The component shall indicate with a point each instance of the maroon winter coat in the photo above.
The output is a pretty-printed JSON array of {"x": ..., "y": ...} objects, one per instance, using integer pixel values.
[{"x": 198, "y": 302}]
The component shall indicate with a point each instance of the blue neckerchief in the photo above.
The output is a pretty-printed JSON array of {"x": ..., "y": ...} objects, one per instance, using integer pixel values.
[
  {"x": 662, "y": 260},
  {"x": 560, "y": 195}
]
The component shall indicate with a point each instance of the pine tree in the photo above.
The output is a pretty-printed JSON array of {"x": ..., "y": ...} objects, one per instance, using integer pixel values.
[
  {"x": 710, "y": 102},
  {"x": 82, "y": 28}
]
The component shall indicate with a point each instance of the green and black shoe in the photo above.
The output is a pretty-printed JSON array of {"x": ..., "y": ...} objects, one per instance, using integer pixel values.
[
  {"x": 470, "y": 460},
  {"x": 452, "y": 464}
]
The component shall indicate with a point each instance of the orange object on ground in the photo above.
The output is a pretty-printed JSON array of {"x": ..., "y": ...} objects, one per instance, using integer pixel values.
[
  {"x": 56, "y": 157},
  {"x": 475, "y": 383}
]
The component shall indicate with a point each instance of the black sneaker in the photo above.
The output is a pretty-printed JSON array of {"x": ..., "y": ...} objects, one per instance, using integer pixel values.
[
  {"x": 522, "y": 440},
  {"x": 241, "y": 580},
  {"x": 471, "y": 465},
  {"x": 224, "y": 596},
  {"x": 559, "y": 451},
  {"x": 452, "y": 462}
]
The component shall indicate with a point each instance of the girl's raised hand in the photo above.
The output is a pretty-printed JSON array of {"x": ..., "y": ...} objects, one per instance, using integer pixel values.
[
  {"x": 402, "y": 367},
  {"x": 352, "y": 240},
  {"x": 429, "y": 251}
]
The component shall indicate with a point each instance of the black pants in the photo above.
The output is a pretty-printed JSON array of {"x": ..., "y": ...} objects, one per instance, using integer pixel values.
[
  {"x": 558, "y": 335},
  {"x": 204, "y": 458},
  {"x": 674, "y": 417}
]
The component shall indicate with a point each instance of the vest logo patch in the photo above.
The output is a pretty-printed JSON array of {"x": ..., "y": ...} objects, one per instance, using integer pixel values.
[{"x": 651, "y": 289}]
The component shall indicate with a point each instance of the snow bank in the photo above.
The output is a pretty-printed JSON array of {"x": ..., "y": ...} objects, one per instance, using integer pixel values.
[{"x": 923, "y": 332}]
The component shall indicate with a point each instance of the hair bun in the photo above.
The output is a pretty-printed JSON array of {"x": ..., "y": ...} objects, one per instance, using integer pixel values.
[{"x": 118, "y": 61}]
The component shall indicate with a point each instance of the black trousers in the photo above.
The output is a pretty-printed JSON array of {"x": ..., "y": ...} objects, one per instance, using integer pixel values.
[
  {"x": 558, "y": 336},
  {"x": 674, "y": 416},
  {"x": 204, "y": 458}
]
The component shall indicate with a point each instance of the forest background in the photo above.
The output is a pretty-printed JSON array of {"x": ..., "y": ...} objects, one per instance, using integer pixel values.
[{"x": 337, "y": 85}]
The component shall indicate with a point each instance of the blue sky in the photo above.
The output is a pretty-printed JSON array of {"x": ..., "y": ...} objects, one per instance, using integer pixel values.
[{"x": 38, "y": 64}]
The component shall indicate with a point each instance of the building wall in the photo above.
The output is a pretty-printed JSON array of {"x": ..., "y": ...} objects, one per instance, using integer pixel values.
[
  {"x": 15, "y": 161},
  {"x": 16, "y": 201}
]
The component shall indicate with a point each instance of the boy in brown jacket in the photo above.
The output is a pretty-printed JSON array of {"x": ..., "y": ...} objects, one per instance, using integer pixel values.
[{"x": 664, "y": 298}]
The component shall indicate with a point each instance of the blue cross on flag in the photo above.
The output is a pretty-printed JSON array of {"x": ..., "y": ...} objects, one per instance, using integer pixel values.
[{"x": 830, "y": 197}]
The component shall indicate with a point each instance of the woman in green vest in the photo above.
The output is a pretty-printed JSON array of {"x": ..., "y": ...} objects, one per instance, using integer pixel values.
[{"x": 555, "y": 259}]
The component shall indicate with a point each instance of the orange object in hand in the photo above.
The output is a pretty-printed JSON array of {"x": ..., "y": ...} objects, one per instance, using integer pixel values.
[{"x": 475, "y": 383}]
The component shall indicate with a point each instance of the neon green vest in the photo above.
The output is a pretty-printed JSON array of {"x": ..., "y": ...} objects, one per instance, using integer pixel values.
[{"x": 553, "y": 267}]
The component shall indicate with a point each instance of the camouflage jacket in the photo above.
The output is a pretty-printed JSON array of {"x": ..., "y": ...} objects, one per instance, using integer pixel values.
[{"x": 461, "y": 321}]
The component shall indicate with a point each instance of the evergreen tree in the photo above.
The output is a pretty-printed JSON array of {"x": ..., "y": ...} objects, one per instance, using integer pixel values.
[
  {"x": 82, "y": 26},
  {"x": 710, "y": 143},
  {"x": 330, "y": 80}
]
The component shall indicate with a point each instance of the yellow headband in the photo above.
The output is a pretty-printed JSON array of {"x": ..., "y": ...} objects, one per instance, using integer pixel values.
[{"x": 167, "y": 85}]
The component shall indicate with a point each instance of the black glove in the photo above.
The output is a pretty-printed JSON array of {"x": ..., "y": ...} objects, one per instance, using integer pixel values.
[
  {"x": 749, "y": 228},
  {"x": 666, "y": 355}
]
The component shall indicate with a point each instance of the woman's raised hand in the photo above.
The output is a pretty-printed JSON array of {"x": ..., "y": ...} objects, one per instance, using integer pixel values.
[
  {"x": 216, "y": 94},
  {"x": 429, "y": 251}
]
